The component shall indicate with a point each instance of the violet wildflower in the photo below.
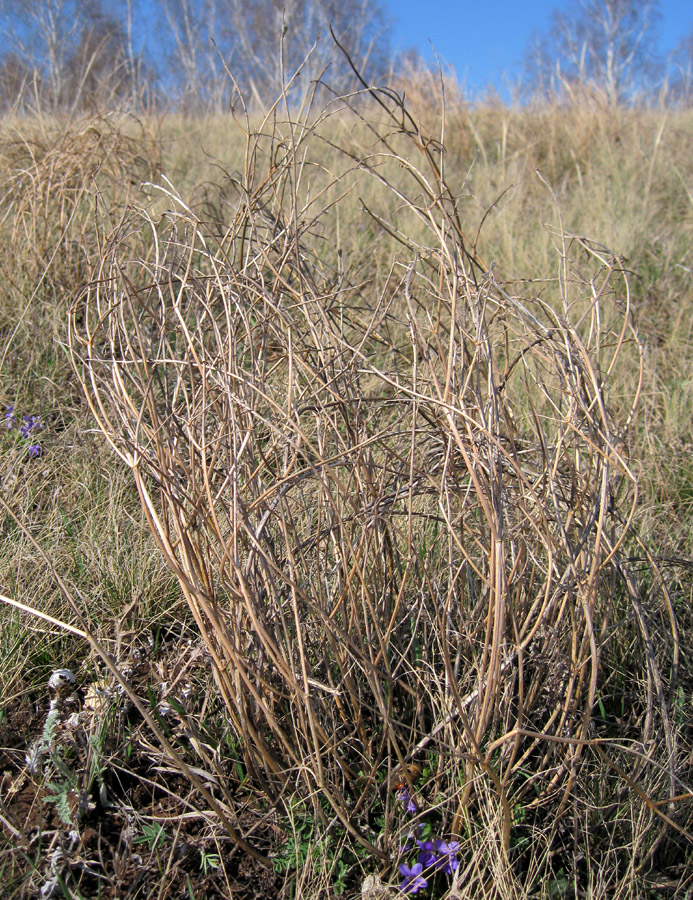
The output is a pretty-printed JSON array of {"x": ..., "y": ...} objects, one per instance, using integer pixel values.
[
  {"x": 10, "y": 417},
  {"x": 405, "y": 799},
  {"x": 427, "y": 854},
  {"x": 30, "y": 424},
  {"x": 413, "y": 879},
  {"x": 446, "y": 852},
  {"x": 34, "y": 451}
]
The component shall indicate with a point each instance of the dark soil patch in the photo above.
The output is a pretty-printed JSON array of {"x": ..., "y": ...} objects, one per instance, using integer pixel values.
[{"x": 90, "y": 808}]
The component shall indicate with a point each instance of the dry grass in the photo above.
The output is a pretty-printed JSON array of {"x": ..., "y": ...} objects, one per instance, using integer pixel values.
[{"x": 397, "y": 468}]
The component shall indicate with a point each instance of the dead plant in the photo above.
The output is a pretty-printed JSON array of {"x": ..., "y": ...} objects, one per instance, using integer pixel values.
[{"x": 400, "y": 512}]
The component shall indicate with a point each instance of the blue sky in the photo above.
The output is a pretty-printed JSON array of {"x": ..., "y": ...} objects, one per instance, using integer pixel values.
[{"x": 482, "y": 40}]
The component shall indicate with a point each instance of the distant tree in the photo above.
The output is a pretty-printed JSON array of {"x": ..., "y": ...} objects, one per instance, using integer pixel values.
[
  {"x": 15, "y": 79},
  {"x": 192, "y": 51},
  {"x": 40, "y": 36},
  {"x": 74, "y": 51},
  {"x": 607, "y": 44},
  {"x": 255, "y": 30},
  {"x": 259, "y": 42},
  {"x": 73, "y": 48},
  {"x": 681, "y": 65},
  {"x": 96, "y": 71}
]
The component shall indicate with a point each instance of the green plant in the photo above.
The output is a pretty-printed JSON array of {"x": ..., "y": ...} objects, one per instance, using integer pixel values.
[
  {"x": 208, "y": 861},
  {"x": 62, "y": 791},
  {"x": 153, "y": 835},
  {"x": 299, "y": 846}
]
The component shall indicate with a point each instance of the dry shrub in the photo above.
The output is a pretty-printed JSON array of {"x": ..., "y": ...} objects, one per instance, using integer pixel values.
[{"x": 399, "y": 511}]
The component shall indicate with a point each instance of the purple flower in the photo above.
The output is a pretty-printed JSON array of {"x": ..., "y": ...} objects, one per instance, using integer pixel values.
[
  {"x": 447, "y": 860},
  {"x": 406, "y": 801},
  {"x": 34, "y": 451},
  {"x": 413, "y": 879},
  {"x": 427, "y": 854},
  {"x": 10, "y": 417},
  {"x": 30, "y": 423}
]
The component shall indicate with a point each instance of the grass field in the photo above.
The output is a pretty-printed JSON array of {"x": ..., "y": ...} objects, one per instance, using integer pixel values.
[{"x": 348, "y": 468}]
